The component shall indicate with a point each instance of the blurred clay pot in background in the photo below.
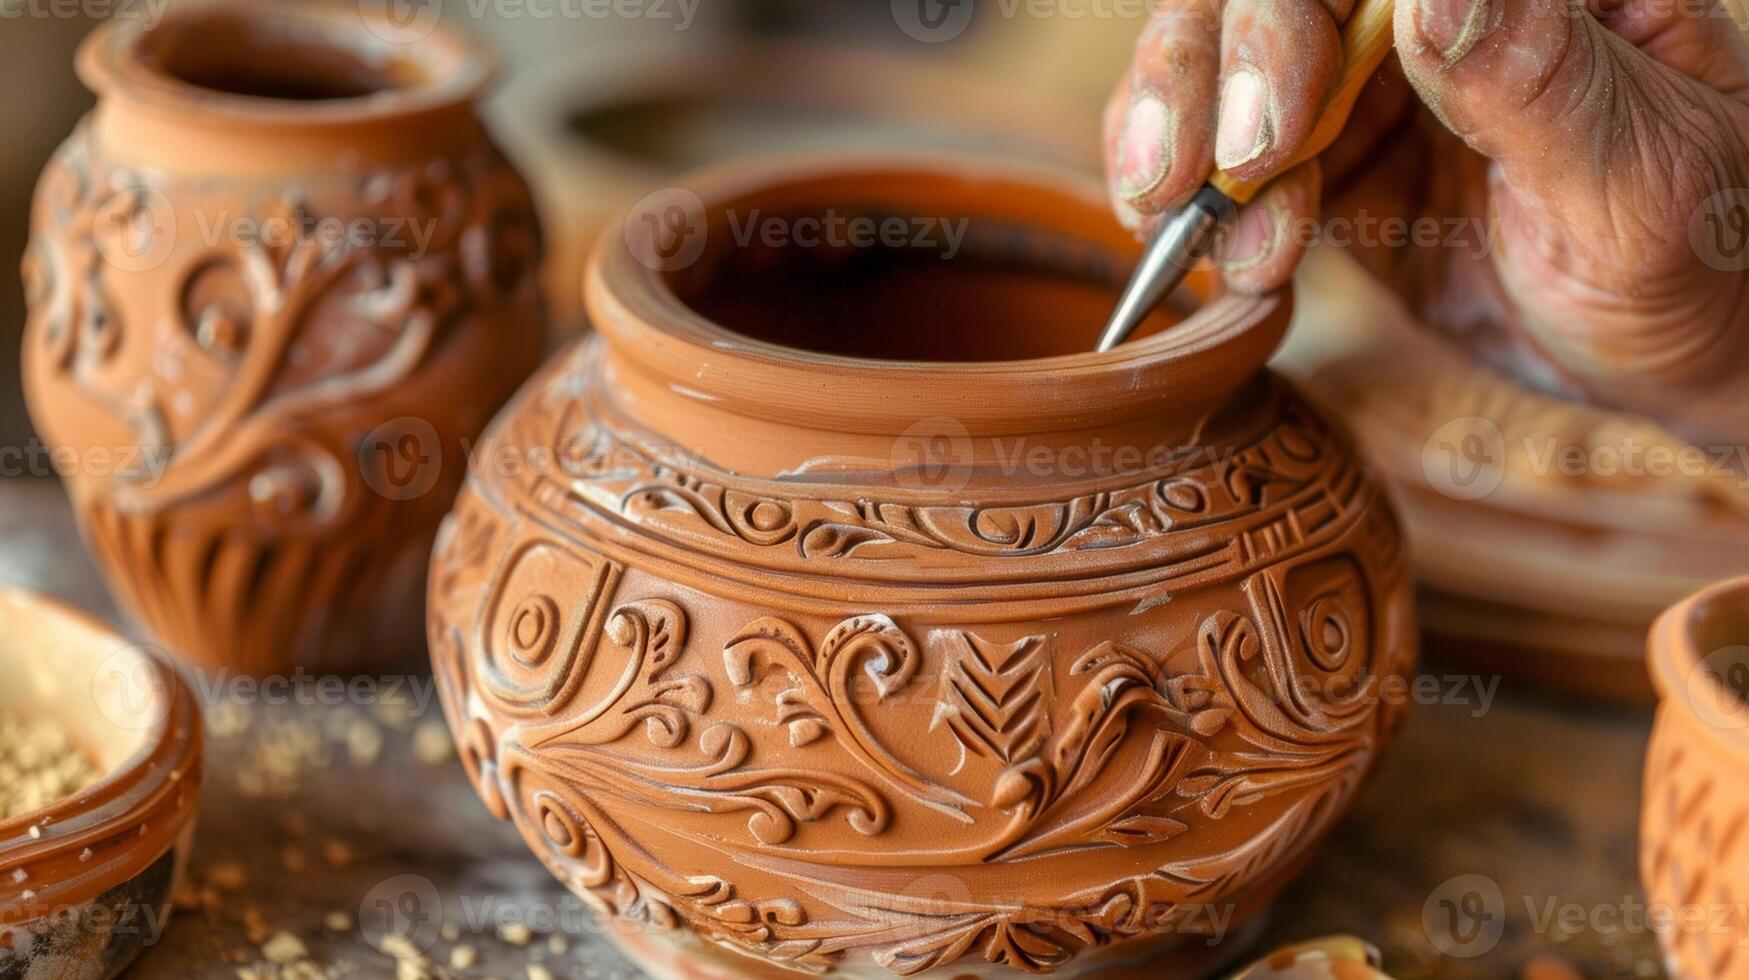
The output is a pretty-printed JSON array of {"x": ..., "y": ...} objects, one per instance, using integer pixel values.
[
  {"x": 1696, "y": 797},
  {"x": 1546, "y": 534},
  {"x": 277, "y": 279},
  {"x": 601, "y": 129},
  {"x": 834, "y": 606},
  {"x": 86, "y": 882}
]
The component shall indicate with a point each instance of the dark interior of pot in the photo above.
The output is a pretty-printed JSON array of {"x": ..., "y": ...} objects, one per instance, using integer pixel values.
[
  {"x": 259, "y": 55},
  {"x": 1719, "y": 632},
  {"x": 869, "y": 281}
]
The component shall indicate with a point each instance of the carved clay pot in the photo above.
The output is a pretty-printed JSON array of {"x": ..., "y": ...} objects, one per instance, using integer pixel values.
[
  {"x": 778, "y": 652},
  {"x": 613, "y": 122},
  {"x": 85, "y": 884},
  {"x": 278, "y": 278},
  {"x": 1526, "y": 566},
  {"x": 1696, "y": 794}
]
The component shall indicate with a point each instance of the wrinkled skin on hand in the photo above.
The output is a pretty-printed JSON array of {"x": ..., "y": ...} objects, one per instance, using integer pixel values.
[{"x": 1592, "y": 161}]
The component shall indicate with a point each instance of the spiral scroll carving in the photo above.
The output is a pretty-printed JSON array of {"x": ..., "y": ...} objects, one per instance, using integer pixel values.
[{"x": 905, "y": 778}]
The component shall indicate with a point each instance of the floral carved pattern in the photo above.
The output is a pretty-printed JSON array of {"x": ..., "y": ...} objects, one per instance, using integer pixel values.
[
  {"x": 829, "y": 773},
  {"x": 234, "y": 357},
  {"x": 1283, "y": 486}
]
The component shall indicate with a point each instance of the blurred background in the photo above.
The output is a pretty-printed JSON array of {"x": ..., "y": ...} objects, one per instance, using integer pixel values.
[{"x": 602, "y": 100}]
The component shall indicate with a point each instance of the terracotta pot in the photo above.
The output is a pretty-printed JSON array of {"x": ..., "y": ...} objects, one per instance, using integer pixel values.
[
  {"x": 1697, "y": 783},
  {"x": 1528, "y": 566},
  {"x": 602, "y": 128},
  {"x": 85, "y": 884},
  {"x": 278, "y": 278},
  {"x": 1000, "y": 657}
]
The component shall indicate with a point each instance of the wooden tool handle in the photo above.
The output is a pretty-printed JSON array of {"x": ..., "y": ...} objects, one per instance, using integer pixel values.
[{"x": 1366, "y": 38}]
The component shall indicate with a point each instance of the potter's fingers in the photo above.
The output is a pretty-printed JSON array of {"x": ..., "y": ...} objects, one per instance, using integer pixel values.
[
  {"x": 1264, "y": 243},
  {"x": 1167, "y": 127},
  {"x": 1279, "y": 60},
  {"x": 1584, "y": 128}
]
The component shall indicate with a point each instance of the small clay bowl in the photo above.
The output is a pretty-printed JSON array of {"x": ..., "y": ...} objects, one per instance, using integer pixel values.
[
  {"x": 85, "y": 884},
  {"x": 1692, "y": 848}
]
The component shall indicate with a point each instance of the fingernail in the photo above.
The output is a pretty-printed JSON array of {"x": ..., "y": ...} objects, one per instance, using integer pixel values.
[
  {"x": 1243, "y": 133},
  {"x": 1253, "y": 238},
  {"x": 1142, "y": 159},
  {"x": 1452, "y": 27}
]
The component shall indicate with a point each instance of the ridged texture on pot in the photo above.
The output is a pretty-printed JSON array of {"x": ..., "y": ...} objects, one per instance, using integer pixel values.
[
  {"x": 308, "y": 401},
  {"x": 841, "y": 727}
]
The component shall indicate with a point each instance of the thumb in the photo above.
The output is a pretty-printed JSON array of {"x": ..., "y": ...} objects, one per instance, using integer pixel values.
[{"x": 1577, "y": 119}]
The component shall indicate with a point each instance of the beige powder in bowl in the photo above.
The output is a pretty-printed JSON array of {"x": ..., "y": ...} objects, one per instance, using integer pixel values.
[{"x": 39, "y": 766}]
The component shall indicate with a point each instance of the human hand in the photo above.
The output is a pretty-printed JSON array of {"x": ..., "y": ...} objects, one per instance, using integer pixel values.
[{"x": 1606, "y": 147}]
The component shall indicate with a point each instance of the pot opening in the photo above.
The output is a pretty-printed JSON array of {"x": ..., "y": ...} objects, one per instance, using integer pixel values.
[
  {"x": 1718, "y": 631},
  {"x": 262, "y": 56},
  {"x": 868, "y": 281}
]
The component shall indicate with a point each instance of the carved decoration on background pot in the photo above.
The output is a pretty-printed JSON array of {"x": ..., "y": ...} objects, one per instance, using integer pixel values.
[
  {"x": 993, "y": 658},
  {"x": 278, "y": 279},
  {"x": 1692, "y": 849}
]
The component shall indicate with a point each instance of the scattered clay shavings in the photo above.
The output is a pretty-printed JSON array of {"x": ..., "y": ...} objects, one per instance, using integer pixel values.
[
  {"x": 337, "y": 922},
  {"x": 225, "y": 720},
  {"x": 463, "y": 957},
  {"x": 558, "y": 944},
  {"x": 538, "y": 972},
  {"x": 39, "y": 767},
  {"x": 228, "y": 876},
  {"x": 432, "y": 744},
  {"x": 515, "y": 933},
  {"x": 284, "y": 948},
  {"x": 337, "y": 853},
  {"x": 364, "y": 743},
  {"x": 280, "y": 759}
]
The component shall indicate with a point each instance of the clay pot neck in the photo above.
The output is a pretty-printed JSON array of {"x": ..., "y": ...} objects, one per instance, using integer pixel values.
[
  {"x": 861, "y": 298},
  {"x": 224, "y": 79},
  {"x": 1700, "y": 660}
]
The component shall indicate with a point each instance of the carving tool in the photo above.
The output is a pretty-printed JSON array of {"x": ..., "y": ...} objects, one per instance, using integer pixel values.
[{"x": 1185, "y": 236}]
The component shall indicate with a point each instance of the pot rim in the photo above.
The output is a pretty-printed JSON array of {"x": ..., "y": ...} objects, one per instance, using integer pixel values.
[
  {"x": 1674, "y": 651},
  {"x": 453, "y": 67},
  {"x": 1192, "y": 364},
  {"x": 155, "y": 789}
]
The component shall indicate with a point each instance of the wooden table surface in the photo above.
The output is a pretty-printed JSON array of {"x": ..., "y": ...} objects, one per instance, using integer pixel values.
[{"x": 1502, "y": 824}]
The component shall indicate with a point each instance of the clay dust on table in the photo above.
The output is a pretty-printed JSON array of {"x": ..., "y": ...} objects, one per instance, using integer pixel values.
[{"x": 39, "y": 767}]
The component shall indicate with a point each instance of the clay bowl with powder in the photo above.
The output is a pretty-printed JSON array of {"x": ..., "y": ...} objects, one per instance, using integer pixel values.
[
  {"x": 835, "y": 610},
  {"x": 1696, "y": 797},
  {"x": 99, "y": 783}
]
